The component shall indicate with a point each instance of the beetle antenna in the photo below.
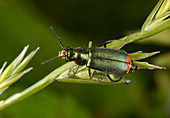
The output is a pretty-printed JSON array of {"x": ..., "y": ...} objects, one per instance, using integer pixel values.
[
  {"x": 57, "y": 37},
  {"x": 51, "y": 59}
]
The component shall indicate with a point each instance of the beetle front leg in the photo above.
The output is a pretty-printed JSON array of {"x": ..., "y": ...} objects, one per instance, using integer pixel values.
[
  {"x": 90, "y": 44},
  {"x": 90, "y": 76},
  {"x": 105, "y": 44},
  {"x": 69, "y": 72},
  {"x": 112, "y": 79},
  {"x": 75, "y": 70}
]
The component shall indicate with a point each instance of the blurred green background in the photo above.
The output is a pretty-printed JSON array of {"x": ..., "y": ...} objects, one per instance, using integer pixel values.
[{"x": 77, "y": 22}]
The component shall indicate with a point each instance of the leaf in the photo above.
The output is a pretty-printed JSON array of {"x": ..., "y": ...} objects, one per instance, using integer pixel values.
[
  {"x": 141, "y": 55},
  {"x": 164, "y": 8},
  {"x": 146, "y": 65},
  {"x": 13, "y": 65},
  {"x": 160, "y": 21},
  {"x": 151, "y": 16},
  {"x": 1, "y": 70},
  {"x": 3, "y": 91},
  {"x": 24, "y": 63},
  {"x": 13, "y": 79},
  {"x": 12, "y": 72}
]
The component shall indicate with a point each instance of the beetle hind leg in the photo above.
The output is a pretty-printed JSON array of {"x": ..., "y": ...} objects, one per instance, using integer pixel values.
[
  {"x": 91, "y": 75},
  {"x": 105, "y": 43},
  {"x": 112, "y": 79}
]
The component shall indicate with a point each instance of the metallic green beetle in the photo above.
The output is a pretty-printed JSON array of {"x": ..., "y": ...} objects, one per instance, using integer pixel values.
[{"x": 109, "y": 61}]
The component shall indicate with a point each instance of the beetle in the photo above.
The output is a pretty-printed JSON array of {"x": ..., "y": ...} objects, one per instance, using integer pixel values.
[{"x": 107, "y": 60}]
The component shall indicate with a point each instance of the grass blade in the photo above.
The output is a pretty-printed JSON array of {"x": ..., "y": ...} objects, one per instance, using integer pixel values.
[
  {"x": 1, "y": 70},
  {"x": 24, "y": 63},
  {"x": 151, "y": 16},
  {"x": 13, "y": 65},
  {"x": 146, "y": 65},
  {"x": 13, "y": 79},
  {"x": 141, "y": 55}
]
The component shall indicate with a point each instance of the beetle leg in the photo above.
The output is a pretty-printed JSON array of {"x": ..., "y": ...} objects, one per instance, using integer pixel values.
[
  {"x": 90, "y": 44},
  {"x": 126, "y": 83},
  {"x": 75, "y": 70},
  {"x": 109, "y": 77},
  {"x": 105, "y": 43},
  {"x": 128, "y": 36},
  {"x": 69, "y": 71},
  {"x": 112, "y": 79},
  {"x": 91, "y": 75},
  {"x": 125, "y": 41},
  {"x": 119, "y": 79}
]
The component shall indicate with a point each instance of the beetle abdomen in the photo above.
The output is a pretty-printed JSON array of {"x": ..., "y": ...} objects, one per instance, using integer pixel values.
[
  {"x": 110, "y": 61},
  {"x": 108, "y": 53},
  {"x": 107, "y": 66}
]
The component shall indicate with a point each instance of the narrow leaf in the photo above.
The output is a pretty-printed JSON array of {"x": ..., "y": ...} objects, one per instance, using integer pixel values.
[
  {"x": 164, "y": 8},
  {"x": 13, "y": 79},
  {"x": 1, "y": 102},
  {"x": 141, "y": 55},
  {"x": 151, "y": 16},
  {"x": 13, "y": 65},
  {"x": 146, "y": 65},
  {"x": 37, "y": 86},
  {"x": 1, "y": 91},
  {"x": 23, "y": 64},
  {"x": 1, "y": 70},
  {"x": 160, "y": 21}
]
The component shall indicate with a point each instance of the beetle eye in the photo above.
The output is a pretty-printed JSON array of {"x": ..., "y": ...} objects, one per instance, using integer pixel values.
[{"x": 62, "y": 53}]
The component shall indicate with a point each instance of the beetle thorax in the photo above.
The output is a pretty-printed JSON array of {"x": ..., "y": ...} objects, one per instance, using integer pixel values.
[{"x": 78, "y": 55}]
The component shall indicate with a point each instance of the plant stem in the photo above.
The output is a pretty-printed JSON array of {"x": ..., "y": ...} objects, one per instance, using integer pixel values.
[
  {"x": 141, "y": 35},
  {"x": 36, "y": 87}
]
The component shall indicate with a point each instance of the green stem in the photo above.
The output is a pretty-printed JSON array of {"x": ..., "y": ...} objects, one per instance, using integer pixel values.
[
  {"x": 141, "y": 35},
  {"x": 36, "y": 87}
]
